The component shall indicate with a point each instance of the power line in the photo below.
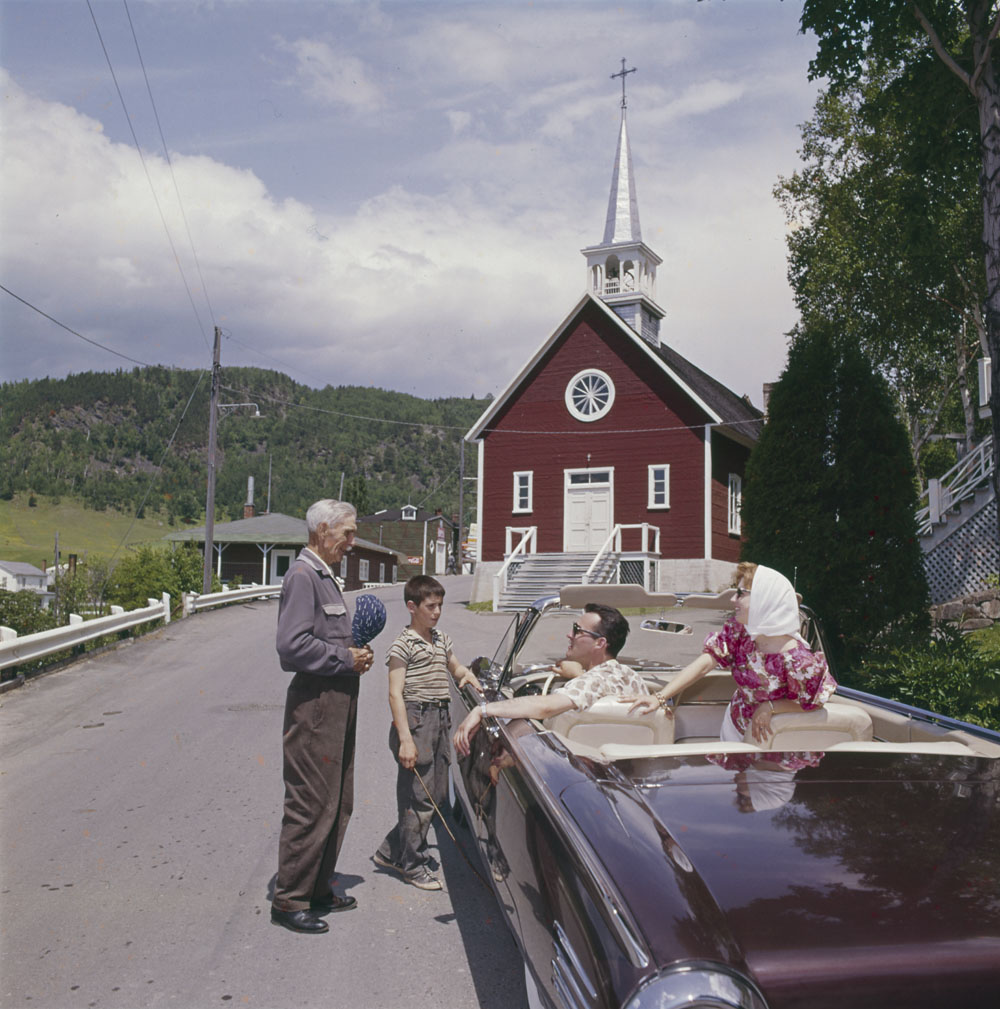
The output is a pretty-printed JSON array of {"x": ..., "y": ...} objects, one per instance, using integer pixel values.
[
  {"x": 454, "y": 427},
  {"x": 63, "y": 325},
  {"x": 159, "y": 468},
  {"x": 170, "y": 164},
  {"x": 260, "y": 353},
  {"x": 149, "y": 179}
]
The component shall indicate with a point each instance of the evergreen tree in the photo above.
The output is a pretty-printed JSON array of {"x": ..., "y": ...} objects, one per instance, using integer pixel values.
[
  {"x": 788, "y": 495},
  {"x": 830, "y": 496},
  {"x": 878, "y": 577}
]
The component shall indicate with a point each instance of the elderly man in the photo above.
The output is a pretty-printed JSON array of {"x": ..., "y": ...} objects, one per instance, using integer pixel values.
[
  {"x": 314, "y": 642},
  {"x": 594, "y": 642}
]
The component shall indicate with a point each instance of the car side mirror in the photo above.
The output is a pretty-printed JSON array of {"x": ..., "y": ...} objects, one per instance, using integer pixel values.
[{"x": 487, "y": 672}]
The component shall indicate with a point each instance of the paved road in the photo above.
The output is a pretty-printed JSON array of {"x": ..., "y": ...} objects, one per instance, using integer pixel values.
[{"x": 141, "y": 800}]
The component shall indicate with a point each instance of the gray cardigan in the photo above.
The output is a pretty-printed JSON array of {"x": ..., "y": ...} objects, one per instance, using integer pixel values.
[{"x": 314, "y": 629}]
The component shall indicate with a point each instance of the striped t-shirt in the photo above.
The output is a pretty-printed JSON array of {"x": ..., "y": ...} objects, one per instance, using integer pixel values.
[{"x": 426, "y": 664}]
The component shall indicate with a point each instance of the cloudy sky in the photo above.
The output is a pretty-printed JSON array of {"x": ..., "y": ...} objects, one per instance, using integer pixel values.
[{"x": 386, "y": 193}]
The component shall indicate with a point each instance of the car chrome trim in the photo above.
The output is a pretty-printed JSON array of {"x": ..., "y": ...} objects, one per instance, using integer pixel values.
[
  {"x": 705, "y": 984},
  {"x": 570, "y": 980},
  {"x": 565, "y": 996}
]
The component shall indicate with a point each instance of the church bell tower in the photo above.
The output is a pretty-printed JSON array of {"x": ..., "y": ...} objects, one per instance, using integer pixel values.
[{"x": 621, "y": 271}]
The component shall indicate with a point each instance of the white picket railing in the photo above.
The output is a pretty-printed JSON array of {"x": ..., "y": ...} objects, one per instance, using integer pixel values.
[
  {"x": 613, "y": 544},
  {"x": 192, "y": 602},
  {"x": 959, "y": 483},
  {"x": 529, "y": 537},
  {"x": 17, "y": 648}
]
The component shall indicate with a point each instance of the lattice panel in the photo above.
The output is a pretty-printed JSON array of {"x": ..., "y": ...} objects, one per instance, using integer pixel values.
[{"x": 960, "y": 564}]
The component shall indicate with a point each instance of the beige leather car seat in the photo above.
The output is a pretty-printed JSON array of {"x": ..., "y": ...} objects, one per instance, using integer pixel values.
[
  {"x": 608, "y": 721},
  {"x": 835, "y": 722}
]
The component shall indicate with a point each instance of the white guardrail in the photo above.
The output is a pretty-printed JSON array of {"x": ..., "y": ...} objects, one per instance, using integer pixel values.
[
  {"x": 15, "y": 648},
  {"x": 192, "y": 602}
]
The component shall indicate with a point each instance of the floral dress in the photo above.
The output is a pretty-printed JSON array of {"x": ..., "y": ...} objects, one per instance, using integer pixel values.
[{"x": 799, "y": 675}]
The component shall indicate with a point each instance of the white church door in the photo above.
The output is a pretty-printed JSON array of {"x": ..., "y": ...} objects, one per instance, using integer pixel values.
[{"x": 588, "y": 508}]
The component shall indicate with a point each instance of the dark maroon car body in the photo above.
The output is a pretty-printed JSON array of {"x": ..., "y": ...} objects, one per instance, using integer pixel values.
[{"x": 872, "y": 880}]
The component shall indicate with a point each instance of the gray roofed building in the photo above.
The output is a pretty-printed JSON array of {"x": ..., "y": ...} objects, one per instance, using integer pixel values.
[{"x": 259, "y": 550}]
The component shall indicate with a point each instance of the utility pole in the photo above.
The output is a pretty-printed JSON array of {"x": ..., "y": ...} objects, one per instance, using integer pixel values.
[
  {"x": 213, "y": 423},
  {"x": 461, "y": 503},
  {"x": 55, "y": 600}
]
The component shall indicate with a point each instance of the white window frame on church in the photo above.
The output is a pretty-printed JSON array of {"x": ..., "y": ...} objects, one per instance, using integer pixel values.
[
  {"x": 363, "y": 569},
  {"x": 590, "y": 395},
  {"x": 658, "y": 478},
  {"x": 735, "y": 503},
  {"x": 524, "y": 481},
  {"x": 381, "y": 572}
]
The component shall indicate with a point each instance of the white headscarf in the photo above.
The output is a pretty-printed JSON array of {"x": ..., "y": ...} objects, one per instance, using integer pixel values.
[
  {"x": 774, "y": 607},
  {"x": 769, "y": 789}
]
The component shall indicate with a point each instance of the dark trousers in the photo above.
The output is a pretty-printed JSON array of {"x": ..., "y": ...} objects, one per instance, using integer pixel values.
[
  {"x": 320, "y": 724},
  {"x": 406, "y": 843}
]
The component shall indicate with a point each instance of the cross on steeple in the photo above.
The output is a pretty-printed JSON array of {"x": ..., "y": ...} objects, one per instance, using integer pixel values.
[{"x": 623, "y": 73}]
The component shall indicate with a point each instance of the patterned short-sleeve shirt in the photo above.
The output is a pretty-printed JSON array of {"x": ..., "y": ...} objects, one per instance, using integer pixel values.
[
  {"x": 799, "y": 675},
  {"x": 610, "y": 678},
  {"x": 426, "y": 664}
]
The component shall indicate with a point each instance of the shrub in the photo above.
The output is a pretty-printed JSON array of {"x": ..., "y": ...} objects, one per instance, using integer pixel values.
[
  {"x": 23, "y": 612},
  {"x": 945, "y": 672},
  {"x": 150, "y": 571}
]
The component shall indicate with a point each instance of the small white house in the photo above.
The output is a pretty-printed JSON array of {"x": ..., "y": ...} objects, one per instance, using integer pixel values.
[{"x": 18, "y": 576}]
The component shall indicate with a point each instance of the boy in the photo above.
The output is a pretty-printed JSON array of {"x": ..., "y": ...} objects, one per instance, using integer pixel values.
[{"x": 420, "y": 661}]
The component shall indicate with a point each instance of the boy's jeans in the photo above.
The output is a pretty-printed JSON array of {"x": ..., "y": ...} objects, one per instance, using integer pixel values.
[{"x": 430, "y": 726}]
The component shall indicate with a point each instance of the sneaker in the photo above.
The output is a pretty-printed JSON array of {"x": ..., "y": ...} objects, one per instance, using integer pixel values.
[
  {"x": 423, "y": 879},
  {"x": 384, "y": 863}
]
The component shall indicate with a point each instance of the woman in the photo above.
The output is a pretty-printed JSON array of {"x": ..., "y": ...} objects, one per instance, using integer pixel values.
[{"x": 774, "y": 670}]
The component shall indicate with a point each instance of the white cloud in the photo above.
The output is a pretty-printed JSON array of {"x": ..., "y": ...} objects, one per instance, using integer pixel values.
[
  {"x": 332, "y": 76},
  {"x": 442, "y": 245}
]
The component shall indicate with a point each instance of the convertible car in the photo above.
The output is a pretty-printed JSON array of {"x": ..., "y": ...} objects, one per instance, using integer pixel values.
[{"x": 853, "y": 862}]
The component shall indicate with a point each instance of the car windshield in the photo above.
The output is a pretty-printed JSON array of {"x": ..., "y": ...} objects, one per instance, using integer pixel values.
[
  {"x": 661, "y": 638},
  {"x": 658, "y": 639}
]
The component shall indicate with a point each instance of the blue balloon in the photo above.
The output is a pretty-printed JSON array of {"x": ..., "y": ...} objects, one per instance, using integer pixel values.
[{"x": 369, "y": 619}]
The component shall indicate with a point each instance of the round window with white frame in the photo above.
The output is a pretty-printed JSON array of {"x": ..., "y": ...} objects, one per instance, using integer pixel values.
[{"x": 590, "y": 394}]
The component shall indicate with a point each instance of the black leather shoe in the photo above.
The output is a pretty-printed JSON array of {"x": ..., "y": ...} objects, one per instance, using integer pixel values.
[
  {"x": 299, "y": 921},
  {"x": 332, "y": 904}
]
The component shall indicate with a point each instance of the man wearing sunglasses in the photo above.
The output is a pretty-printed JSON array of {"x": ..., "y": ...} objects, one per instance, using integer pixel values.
[{"x": 595, "y": 639}]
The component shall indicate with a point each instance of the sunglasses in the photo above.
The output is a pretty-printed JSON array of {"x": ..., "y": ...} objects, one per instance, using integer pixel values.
[
  {"x": 741, "y": 592},
  {"x": 577, "y": 629}
]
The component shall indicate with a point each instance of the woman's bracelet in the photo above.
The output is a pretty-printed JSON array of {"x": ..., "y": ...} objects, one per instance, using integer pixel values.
[
  {"x": 663, "y": 700},
  {"x": 482, "y": 708}
]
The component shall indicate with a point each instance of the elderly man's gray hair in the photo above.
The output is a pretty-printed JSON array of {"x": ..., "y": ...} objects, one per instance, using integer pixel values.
[{"x": 331, "y": 512}]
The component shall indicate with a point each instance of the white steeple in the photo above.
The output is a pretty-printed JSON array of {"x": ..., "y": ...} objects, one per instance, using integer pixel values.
[
  {"x": 622, "y": 224},
  {"x": 621, "y": 271}
]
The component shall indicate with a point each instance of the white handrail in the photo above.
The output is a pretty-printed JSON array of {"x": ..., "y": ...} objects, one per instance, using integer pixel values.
[
  {"x": 616, "y": 538},
  {"x": 15, "y": 648},
  {"x": 953, "y": 487},
  {"x": 500, "y": 578},
  {"x": 193, "y": 601}
]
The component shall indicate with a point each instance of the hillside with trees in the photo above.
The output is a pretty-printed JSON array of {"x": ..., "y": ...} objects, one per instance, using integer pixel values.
[{"x": 136, "y": 440}]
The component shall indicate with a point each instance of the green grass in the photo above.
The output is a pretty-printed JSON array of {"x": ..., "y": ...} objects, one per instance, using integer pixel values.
[
  {"x": 28, "y": 534},
  {"x": 988, "y": 641}
]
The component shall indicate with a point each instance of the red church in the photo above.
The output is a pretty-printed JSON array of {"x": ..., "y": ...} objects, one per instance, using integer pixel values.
[{"x": 609, "y": 456}]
